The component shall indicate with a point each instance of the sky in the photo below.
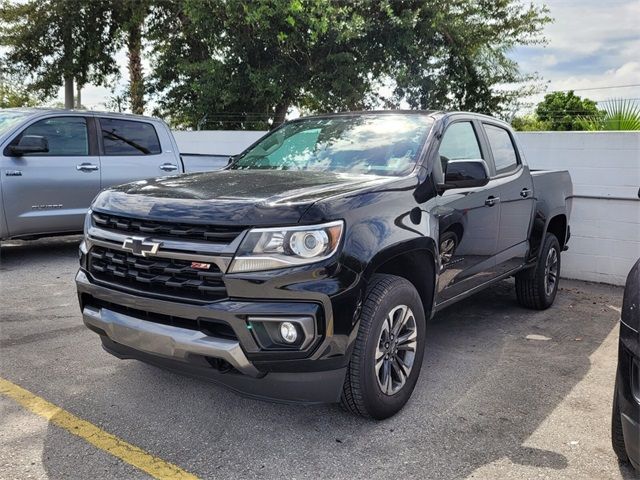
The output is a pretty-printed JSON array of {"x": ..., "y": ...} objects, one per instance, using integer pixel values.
[{"x": 592, "y": 45}]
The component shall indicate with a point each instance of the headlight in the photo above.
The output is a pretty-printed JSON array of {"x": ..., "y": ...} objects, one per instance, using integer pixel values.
[
  {"x": 87, "y": 222},
  {"x": 269, "y": 248}
]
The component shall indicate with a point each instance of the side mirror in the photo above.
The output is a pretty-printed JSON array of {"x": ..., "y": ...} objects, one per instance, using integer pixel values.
[
  {"x": 30, "y": 144},
  {"x": 466, "y": 174}
]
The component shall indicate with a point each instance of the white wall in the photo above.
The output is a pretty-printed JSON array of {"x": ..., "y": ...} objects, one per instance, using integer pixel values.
[
  {"x": 604, "y": 166},
  {"x": 605, "y": 221},
  {"x": 215, "y": 142}
]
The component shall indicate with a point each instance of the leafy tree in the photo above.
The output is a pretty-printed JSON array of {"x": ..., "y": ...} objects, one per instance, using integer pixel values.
[
  {"x": 238, "y": 64},
  {"x": 453, "y": 54},
  {"x": 13, "y": 95},
  {"x": 49, "y": 42},
  {"x": 616, "y": 115},
  {"x": 563, "y": 111}
]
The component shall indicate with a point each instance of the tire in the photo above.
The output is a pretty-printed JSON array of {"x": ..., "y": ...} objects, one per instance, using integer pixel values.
[
  {"x": 537, "y": 287},
  {"x": 448, "y": 244},
  {"x": 380, "y": 392},
  {"x": 617, "y": 437}
]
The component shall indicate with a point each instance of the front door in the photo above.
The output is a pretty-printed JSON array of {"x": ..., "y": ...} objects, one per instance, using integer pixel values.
[
  {"x": 131, "y": 150},
  {"x": 468, "y": 219},
  {"x": 50, "y": 192}
]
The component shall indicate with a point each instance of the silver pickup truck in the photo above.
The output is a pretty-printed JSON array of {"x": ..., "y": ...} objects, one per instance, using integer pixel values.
[{"x": 54, "y": 162}]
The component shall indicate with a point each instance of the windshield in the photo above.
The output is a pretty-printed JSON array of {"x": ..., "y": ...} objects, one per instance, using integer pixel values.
[
  {"x": 9, "y": 119},
  {"x": 386, "y": 144}
]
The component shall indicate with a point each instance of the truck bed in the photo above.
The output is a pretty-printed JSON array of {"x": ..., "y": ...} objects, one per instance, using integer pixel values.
[{"x": 553, "y": 187}]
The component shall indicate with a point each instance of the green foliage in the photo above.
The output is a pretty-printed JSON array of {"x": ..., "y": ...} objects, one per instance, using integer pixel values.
[
  {"x": 563, "y": 111},
  {"x": 617, "y": 115},
  {"x": 48, "y": 40},
  {"x": 530, "y": 123},
  {"x": 238, "y": 64},
  {"x": 13, "y": 95}
]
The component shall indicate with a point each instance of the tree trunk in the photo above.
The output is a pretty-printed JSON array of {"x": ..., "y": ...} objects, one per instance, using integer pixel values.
[
  {"x": 136, "y": 80},
  {"x": 280, "y": 114},
  {"x": 68, "y": 92},
  {"x": 78, "y": 95}
]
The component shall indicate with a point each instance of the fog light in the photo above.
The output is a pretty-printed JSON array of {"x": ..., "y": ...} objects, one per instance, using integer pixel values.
[{"x": 288, "y": 332}]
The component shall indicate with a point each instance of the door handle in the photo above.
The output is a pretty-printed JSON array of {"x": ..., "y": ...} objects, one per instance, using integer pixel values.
[
  {"x": 491, "y": 201},
  {"x": 168, "y": 167},
  {"x": 524, "y": 193},
  {"x": 86, "y": 167}
]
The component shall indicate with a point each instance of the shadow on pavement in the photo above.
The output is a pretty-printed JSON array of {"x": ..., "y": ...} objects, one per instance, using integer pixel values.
[
  {"x": 21, "y": 253},
  {"x": 484, "y": 390}
]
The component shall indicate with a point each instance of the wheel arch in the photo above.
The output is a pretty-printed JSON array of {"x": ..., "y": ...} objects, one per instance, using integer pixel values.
[
  {"x": 414, "y": 261},
  {"x": 555, "y": 222},
  {"x": 558, "y": 226}
]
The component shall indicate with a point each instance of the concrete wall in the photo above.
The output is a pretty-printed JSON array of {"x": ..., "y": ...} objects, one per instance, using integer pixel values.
[
  {"x": 604, "y": 166},
  {"x": 215, "y": 142},
  {"x": 605, "y": 221}
]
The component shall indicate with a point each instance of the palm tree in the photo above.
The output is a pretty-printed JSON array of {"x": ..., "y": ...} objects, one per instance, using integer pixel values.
[{"x": 618, "y": 114}]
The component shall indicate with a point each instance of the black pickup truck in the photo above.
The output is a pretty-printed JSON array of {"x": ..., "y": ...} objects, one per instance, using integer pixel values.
[{"x": 307, "y": 269}]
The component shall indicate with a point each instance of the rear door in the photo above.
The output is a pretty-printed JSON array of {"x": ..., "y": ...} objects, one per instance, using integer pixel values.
[
  {"x": 50, "y": 192},
  {"x": 516, "y": 198},
  {"x": 468, "y": 218},
  {"x": 133, "y": 150}
]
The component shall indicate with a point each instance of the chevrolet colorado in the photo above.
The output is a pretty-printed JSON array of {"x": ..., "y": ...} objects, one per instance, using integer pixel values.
[
  {"x": 307, "y": 269},
  {"x": 54, "y": 162}
]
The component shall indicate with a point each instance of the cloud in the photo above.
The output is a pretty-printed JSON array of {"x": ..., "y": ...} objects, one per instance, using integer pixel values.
[{"x": 591, "y": 44}]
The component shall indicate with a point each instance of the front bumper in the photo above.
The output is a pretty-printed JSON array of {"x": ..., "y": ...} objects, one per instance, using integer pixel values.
[
  {"x": 133, "y": 326},
  {"x": 165, "y": 340},
  {"x": 303, "y": 387}
]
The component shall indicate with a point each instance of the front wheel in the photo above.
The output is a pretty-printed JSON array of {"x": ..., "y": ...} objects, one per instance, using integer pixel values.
[
  {"x": 537, "y": 287},
  {"x": 387, "y": 356}
]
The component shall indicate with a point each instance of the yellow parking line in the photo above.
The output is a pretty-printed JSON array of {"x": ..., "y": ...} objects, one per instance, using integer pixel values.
[{"x": 154, "y": 466}]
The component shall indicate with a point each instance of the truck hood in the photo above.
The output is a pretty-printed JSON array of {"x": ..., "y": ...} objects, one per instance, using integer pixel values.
[{"x": 239, "y": 197}]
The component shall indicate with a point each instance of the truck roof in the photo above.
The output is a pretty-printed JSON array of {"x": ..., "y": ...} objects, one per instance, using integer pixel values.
[
  {"x": 433, "y": 113},
  {"x": 66, "y": 111}
]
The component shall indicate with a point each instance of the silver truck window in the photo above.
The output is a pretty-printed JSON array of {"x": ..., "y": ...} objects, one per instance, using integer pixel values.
[
  {"x": 129, "y": 137},
  {"x": 67, "y": 136},
  {"x": 8, "y": 119},
  {"x": 504, "y": 153}
]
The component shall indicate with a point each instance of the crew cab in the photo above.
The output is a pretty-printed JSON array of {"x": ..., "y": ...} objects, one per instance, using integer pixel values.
[
  {"x": 54, "y": 162},
  {"x": 306, "y": 270}
]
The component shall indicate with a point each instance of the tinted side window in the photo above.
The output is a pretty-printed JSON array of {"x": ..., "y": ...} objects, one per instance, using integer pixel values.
[
  {"x": 504, "y": 153},
  {"x": 128, "y": 137},
  {"x": 67, "y": 136},
  {"x": 459, "y": 143}
]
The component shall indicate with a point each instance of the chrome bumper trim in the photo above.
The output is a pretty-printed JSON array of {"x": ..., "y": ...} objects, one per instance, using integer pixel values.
[{"x": 165, "y": 340}]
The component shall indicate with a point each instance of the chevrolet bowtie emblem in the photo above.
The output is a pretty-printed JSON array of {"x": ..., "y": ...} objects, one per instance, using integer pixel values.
[{"x": 141, "y": 246}]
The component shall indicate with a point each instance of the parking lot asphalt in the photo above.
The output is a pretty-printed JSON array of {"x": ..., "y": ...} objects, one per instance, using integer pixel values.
[{"x": 504, "y": 393}]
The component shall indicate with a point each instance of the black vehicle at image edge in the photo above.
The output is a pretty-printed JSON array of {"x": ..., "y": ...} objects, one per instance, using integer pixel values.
[
  {"x": 625, "y": 420},
  {"x": 307, "y": 269}
]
